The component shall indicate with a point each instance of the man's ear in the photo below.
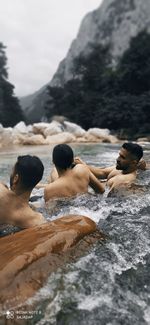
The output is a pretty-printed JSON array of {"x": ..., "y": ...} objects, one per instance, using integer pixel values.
[
  {"x": 141, "y": 164},
  {"x": 135, "y": 163},
  {"x": 16, "y": 179}
]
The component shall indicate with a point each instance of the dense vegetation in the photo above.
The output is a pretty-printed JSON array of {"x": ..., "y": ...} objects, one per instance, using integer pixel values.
[
  {"x": 102, "y": 96},
  {"x": 10, "y": 111}
]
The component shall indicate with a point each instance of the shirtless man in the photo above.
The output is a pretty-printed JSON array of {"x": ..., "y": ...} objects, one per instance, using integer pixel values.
[
  {"x": 125, "y": 171},
  {"x": 69, "y": 179},
  {"x": 14, "y": 206}
]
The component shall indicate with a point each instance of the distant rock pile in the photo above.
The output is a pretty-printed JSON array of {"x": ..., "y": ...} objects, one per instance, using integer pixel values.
[{"x": 52, "y": 133}]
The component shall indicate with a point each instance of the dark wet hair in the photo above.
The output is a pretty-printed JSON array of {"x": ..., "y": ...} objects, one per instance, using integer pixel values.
[
  {"x": 134, "y": 149},
  {"x": 62, "y": 156},
  {"x": 30, "y": 169}
]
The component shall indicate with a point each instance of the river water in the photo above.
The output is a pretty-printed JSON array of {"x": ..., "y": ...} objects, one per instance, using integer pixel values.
[{"x": 109, "y": 285}]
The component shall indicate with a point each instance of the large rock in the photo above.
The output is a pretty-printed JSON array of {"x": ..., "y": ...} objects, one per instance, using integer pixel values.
[
  {"x": 100, "y": 135},
  {"x": 143, "y": 140},
  {"x": 21, "y": 128},
  {"x": 28, "y": 257},
  {"x": 6, "y": 137},
  {"x": 115, "y": 22},
  {"x": 36, "y": 139},
  {"x": 97, "y": 132},
  {"x": 64, "y": 137},
  {"x": 53, "y": 128},
  {"x": 1, "y": 128},
  {"x": 39, "y": 128},
  {"x": 75, "y": 129}
]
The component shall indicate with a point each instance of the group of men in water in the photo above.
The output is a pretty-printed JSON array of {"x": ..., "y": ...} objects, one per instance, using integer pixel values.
[{"x": 70, "y": 177}]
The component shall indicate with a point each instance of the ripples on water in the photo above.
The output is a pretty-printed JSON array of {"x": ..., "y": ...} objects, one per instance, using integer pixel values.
[{"x": 110, "y": 285}]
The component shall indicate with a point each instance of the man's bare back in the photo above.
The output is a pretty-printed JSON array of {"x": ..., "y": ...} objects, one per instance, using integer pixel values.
[
  {"x": 72, "y": 182},
  {"x": 14, "y": 210},
  {"x": 14, "y": 203}
]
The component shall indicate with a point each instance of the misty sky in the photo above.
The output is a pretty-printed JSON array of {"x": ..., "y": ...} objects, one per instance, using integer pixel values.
[{"x": 38, "y": 34}]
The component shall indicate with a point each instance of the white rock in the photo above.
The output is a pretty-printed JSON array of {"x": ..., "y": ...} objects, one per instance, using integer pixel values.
[
  {"x": 104, "y": 138},
  {"x": 36, "y": 139},
  {"x": 6, "y": 138},
  {"x": 144, "y": 139},
  {"x": 1, "y": 128},
  {"x": 92, "y": 138},
  {"x": 21, "y": 127},
  {"x": 30, "y": 128},
  {"x": 75, "y": 129},
  {"x": 64, "y": 137},
  {"x": 97, "y": 132},
  {"x": 53, "y": 128},
  {"x": 38, "y": 128}
]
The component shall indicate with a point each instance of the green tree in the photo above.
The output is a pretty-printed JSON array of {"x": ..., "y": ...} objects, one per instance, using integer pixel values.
[
  {"x": 101, "y": 96},
  {"x": 10, "y": 110}
]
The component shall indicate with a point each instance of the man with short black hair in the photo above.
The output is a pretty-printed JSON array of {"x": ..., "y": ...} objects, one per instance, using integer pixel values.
[
  {"x": 14, "y": 206},
  {"x": 125, "y": 171},
  {"x": 69, "y": 179}
]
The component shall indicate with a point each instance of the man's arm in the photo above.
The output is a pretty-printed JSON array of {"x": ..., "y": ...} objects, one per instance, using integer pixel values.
[
  {"x": 40, "y": 185},
  {"x": 96, "y": 185},
  {"x": 142, "y": 165},
  {"x": 97, "y": 171},
  {"x": 53, "y": 175}
]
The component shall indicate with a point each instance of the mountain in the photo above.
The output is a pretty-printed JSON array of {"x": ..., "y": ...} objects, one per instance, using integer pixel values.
[{"x": 115, "y": 22}]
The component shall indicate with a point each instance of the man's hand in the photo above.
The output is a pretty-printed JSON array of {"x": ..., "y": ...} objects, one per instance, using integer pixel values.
[
  {"x": 77, "y": 160},
  {"x": 142, "y": 164}
]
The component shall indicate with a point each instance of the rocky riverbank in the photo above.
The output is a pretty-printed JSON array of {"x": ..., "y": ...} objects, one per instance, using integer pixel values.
[{"x": 51, "y": 133}]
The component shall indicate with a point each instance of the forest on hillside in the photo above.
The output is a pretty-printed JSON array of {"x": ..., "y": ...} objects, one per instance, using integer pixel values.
[
  {"x": 100, "y": 95},
  {"x": 10, "y": 110}
]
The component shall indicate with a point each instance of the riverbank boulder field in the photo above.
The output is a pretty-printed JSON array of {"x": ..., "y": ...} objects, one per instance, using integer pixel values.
[{"x": 43, "y": 133}]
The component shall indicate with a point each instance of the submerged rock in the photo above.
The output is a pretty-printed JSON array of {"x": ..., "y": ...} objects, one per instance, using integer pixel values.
[{"x": 28, "y": 257}]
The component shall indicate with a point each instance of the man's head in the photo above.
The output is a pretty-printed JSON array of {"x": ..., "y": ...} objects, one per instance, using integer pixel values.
[
  {"x": 129, "y": 156},
  {"x": 62, "y": 156},
  {"x": 27, "y": 172}
]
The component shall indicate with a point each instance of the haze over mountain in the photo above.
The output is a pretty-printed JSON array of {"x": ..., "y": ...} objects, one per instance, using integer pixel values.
[{"x": 115, "y": 22}]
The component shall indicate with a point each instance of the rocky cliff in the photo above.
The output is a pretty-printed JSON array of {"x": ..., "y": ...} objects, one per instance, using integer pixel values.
[{"x": 115, "y": 22}]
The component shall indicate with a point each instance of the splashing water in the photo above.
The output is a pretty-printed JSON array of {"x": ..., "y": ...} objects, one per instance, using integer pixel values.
[{"x": 110, "y": 285}]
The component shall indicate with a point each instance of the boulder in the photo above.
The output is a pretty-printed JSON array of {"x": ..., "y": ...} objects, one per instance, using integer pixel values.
[
  {"x": 75, "y": 129},
  {"x": 142, "y": 140},
  {"x": 1, "y": 128},
  {"x": 29, "y": 256},
  {"x": 6, "y": 137},
  {"x": 64, "y": 137},
  {"x": 98, "y": 133},
  {"x": 38, "y": 128},
  {"x": 53, "y": 128},
  {"x": 110, "y": 139},
  {"x": 81, "y": 139},
  {"x": 21, "y": 128},
  {"x": 35, "y": 139},
  {"x": 92, "y": 138}
]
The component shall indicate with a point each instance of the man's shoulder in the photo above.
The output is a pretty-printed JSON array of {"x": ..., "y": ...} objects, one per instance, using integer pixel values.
[
  {"x": 114, "y": 172},
  {"x": 80, "y": 169},
  {"x": 121, "y": 179}
]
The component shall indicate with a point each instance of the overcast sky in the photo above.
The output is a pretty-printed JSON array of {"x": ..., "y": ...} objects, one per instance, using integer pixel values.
[{"x": 38, "y": 34}]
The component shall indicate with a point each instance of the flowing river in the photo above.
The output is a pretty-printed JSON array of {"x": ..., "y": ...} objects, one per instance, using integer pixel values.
[{"x": 109, "y": 285}]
